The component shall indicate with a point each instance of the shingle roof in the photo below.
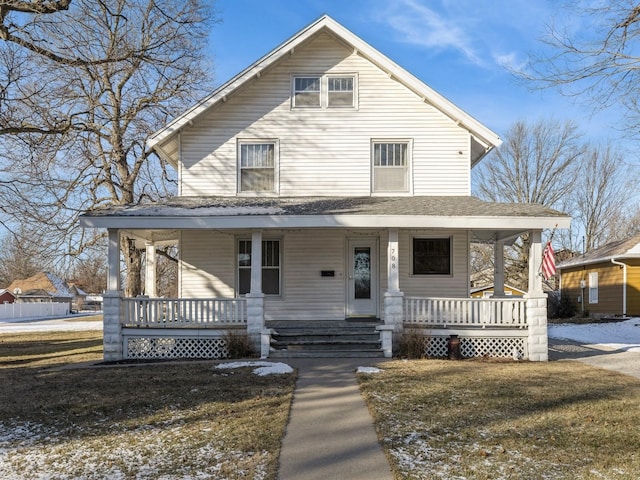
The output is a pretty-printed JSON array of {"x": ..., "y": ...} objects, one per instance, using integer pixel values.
[
  {"x": 629, "y": 247},
  {"x": 293, "y": 206}
]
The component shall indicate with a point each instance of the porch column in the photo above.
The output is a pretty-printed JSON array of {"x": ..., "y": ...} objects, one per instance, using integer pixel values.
[
  {"x": 150, "y": 270},
  {"x": 537, "y": 342},
  {"x": 112, "y": 305},
  {"x": 498, "y": 269},
  {"x": 255, "y": 297},
  {"x": 393, "y": 297}
]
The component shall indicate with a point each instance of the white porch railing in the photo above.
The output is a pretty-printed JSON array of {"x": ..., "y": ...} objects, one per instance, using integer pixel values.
[
  {"x": 184, "y": 312},
  {"x": 466, "y": 312}
]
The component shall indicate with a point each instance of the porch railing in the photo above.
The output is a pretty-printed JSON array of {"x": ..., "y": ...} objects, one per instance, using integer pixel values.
[
  {"x": 466, "y": 312},
  {"x": 184, "y": 312}
]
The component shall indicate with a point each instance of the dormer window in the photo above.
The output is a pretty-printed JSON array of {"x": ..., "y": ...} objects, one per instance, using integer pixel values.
[{"x": 324, "y": 91}]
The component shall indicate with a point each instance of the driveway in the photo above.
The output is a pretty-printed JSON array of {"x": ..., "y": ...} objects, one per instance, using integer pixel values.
[{"x": 622, "y": 359}]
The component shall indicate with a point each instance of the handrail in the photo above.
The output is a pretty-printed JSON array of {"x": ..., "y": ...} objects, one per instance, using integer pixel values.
[
  {"x": 466, "y": 312},
  {"x": 175, "y": 312}
]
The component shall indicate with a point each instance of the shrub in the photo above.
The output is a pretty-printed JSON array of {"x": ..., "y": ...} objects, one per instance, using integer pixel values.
[
  {"x": 239, "y": 345},
  {"x": 560, "y": 306},
  {"x": 412, "y": 344}
]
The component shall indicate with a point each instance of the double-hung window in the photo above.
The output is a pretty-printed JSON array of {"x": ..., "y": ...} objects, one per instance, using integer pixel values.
[
  {"x": 431, "y": 256},
  {"x": 390, "y": 166},
  {"x": 340, "y": 92},
  {"x": 270, "y": 267},
  {"x": 257, "y": 166},
  {"x": 324, "y": 91},
  {"x": 306, "y": 91}
]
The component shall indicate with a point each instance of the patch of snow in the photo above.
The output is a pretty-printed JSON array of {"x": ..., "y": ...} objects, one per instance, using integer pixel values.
[
  {"x": 264, "y": 368},
  {"x": 368, "y": 370},
  {"x": 617, "y": 335}
]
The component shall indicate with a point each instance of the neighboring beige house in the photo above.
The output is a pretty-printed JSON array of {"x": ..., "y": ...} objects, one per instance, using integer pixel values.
[
  {"x": 606, "y": 278},
  {"x": 324, "y": 199},
  {"x": 42, "y": 287}
]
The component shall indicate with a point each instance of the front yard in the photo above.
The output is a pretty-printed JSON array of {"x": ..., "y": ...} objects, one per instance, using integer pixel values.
[
  {"x": 442, "y": 419},
  {"x": 436, "y": 419},
  {"x": 154, "y": 421}
]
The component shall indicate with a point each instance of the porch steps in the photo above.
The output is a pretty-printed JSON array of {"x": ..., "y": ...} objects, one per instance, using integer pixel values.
[{"x": 330, "y": 338}]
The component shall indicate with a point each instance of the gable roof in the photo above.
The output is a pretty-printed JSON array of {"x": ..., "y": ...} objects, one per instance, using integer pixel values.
[
  {"x": 485, "y": 139},
  {"x": 43, "y": 283},
  {"x": 628, "y": 248}
]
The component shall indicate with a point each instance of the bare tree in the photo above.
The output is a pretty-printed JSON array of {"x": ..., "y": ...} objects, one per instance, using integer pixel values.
[
  {"x": 22, "y": 256},
  {"x": 537, "y": 163},
  {"x": 593, "y": 53},
  {"x": 80, "y": 91},
  {"x": 90, "y": 274},
  {"x": 603, "y": 189}
]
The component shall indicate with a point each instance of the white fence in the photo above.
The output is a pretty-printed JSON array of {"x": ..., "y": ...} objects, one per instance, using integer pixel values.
[
  {"x": 184, "y": 312},
  {"x": 26, "y": 310},
  {"x": 466, "y": 312}
]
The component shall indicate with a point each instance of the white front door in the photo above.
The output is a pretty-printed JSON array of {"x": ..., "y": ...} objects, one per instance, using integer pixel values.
[{"x": 362, "y": 286}]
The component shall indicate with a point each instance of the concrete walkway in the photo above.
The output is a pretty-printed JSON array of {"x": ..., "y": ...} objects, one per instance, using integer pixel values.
[
  {"x": 330, "y": 434},
  {"x": 620, "y": 360}
]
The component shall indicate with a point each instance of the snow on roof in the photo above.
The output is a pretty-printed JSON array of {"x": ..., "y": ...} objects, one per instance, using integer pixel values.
[{"x": 43, "y": 283}]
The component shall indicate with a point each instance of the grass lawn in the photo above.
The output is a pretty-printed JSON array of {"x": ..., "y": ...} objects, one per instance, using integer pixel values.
[
  {"x": 502, "y": 420},
  {"x": 163, "y": 420}
]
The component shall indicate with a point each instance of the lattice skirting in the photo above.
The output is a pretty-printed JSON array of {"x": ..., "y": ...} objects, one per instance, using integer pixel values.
[
  {"x": 141, "y": 347},
  {"x": 478, "y": 346}
]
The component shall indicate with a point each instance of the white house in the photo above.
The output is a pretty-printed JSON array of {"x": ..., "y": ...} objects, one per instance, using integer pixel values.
[{"x": 324, "y": 187}]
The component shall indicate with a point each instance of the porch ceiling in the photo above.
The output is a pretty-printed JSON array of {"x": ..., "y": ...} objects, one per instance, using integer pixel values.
[{"x": 488, "y": 220}]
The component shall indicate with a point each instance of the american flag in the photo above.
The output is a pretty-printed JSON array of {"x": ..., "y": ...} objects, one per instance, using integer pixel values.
[{"x": 548, "y": 262}]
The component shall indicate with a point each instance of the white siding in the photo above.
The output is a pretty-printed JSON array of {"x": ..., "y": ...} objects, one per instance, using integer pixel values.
[
  {"x": 208, "y": 270},
  {"x": 325, "y": 151},
  {"x": 307, "y": 295},
  {"x": 207, "y": 264},
  {"x": 454, "y": 285}
]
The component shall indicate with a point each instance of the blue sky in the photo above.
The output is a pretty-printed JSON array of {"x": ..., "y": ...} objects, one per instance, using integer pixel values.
[{"x": 457, "y": 47}]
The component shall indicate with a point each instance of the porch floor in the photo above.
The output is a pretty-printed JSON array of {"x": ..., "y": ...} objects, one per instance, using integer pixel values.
[{"x": 356, "y": 338}]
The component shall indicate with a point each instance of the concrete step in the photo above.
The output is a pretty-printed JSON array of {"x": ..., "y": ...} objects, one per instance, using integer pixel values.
[
  {"x": 334, "y": 338},
  {"x": 326, "y": 354}
]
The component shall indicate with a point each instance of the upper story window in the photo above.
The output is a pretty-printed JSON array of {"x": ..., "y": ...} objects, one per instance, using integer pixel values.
[
  {"x": 390, "y": 166},
  {"x": 340, "y": 92},
  {"x": 257, "y": 161},
  {"x": 324, "y": 91},
  {"x": 306, "y": 92}
]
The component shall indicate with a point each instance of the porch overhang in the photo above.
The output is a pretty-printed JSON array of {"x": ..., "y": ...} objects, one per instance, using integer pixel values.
[{"x": 489, "y": 221}]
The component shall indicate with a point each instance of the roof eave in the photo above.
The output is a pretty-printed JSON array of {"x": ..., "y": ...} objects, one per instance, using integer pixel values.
[{"x": 511, "y": 223}]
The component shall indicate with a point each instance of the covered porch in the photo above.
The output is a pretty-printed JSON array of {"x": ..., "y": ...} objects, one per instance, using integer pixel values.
[{"x": 199, "y": 326}]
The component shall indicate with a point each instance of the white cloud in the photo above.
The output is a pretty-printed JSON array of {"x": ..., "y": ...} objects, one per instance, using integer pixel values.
[{"x": 418, "y": 24}]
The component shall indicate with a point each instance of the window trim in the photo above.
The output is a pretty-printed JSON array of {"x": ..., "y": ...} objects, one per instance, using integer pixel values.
[
  {"x": 238, "y": 267},
  {"x": 409, "y": 166},
  {"x": 324, "y": 90},
  {"x": 276, "y": 165},
  {"x": 413, "y": 255}
]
